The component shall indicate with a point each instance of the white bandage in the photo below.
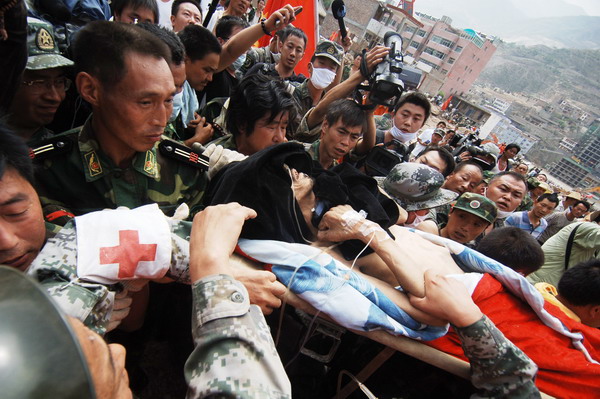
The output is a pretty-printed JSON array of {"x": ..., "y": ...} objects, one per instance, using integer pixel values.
[
  {"x": 369, "y": 228},
  {"x": 351, "y": 218}
]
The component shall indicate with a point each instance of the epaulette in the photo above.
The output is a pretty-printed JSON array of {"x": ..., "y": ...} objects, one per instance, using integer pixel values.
[
  {"x": 180, "y": 152},
  {"x": 50, "y": 148}
]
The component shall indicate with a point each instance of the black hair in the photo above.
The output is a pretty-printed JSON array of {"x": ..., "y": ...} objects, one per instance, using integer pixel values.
[
  {"x": 100, "y": 49},
  {"x": 514, "y": 248},
  {"x": 446, "y": 156},
  {"x": 442, "y": 122},
  {"x": 295, "y": 32},
  {"x": 177, "y": 3},
  {"x": 14, "y": 153},
  {"x": 417, "y": 99},
  {"x": 282, "y": 34},
  {"x": 170, "y": 38},
  {"x": 552, "y": 197},
  {"x": 348, "y": 110},
  {"x": 519, "y": 164},
  {"x": 513, "y": 174},
  {"x": 255, "y": 97},
  {"x": 226, "y": 24},
  {"x": 580, "y": 285},
  {"x": 119, "y": 5},
  {"x": 199, "y": 42},
  {"x": 513, "y": 145},
  {"x": 542, "y": 174},
  {"x": 461, "y": 165},
  {"x": 585, "y": 203}
]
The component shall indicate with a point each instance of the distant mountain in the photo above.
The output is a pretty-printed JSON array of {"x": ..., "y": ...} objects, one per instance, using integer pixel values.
[{"x": 579, "y": 32}]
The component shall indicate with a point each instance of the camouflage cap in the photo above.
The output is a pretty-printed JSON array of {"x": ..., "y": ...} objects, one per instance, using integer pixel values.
[
  {"x": 331, "y": 50},
  {"x": 439, "y": 132},
  {"x": 415, "y": 186},
  {"x": 478, "y": 205},
  {"x": 491, "y": 149},
  {"x": 42, "y": 49}
]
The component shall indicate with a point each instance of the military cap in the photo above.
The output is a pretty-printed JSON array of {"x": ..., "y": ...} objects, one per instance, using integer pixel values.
[
  {"x": 478, "y": 205},
  {"x": 331, "y": 50},
  {"x": 492, "y": 149},
  {"x": 416, "y": 186},
  {"x": 40, "y": 351},
  {"x": 42, "y": 49},
  {"x": 439, "y": 132}
]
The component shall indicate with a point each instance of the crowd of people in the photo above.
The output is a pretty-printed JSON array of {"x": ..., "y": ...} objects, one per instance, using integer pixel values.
[{"x": 138, "y": 146}]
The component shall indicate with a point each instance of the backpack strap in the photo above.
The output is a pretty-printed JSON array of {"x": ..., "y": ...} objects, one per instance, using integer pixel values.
[{"x": 570, "y": 246}]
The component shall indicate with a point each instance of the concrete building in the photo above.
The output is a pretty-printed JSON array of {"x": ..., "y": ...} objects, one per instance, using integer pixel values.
[
  {"x": 500, "y": 105},
  {"x": 588, "y": 149},
  {"x": 456, "y": 56},
  {"x": 507, "y": 133},
  {"x": 573, "y": 173},
  {"x": 567, "y": 144}
]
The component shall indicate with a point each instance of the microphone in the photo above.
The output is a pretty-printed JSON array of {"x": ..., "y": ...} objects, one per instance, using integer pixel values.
[{"x": 338, "y": 9}]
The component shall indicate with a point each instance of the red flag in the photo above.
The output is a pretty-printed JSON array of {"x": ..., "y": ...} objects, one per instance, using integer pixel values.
[
  {"x": 307, "y": 21},
  {"x": 446, "y": 103}
]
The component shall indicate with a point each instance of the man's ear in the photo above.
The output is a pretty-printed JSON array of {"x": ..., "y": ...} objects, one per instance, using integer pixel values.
[
  {"x": 172, "y": 20},
  {"x": 324, "y": 126},
  {"x": 88, "y": 87}
]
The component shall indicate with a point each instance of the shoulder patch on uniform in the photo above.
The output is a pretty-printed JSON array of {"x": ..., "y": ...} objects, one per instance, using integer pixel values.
[
  {"x": 93, "y": 165},
  {"x": 50, "y": 148},
  {"x": 182, "y": 153},
  {"x": 150, "y": 163}
]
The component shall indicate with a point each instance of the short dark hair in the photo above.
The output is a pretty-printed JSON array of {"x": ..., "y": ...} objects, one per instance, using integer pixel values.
[
  {"x": 170, "y": 38},
  {"x": 177, "y": 3},
  {"x": 461, "y": 165},
  {"x": 514, "y": 248},
  {"x": 512, "y": 145},
  {"x": 580, "y": 285},
  {"x": 295, "y": 32},
  {"x": 541, "y": 174},
  {"x": 446, "y": 156},
  {"x": 348, "y": 110},
  {"x": 552, "y": 197},
  {"x": 100, "y": 48},
  {"x": 14, "y": 153},
  {"x": 256, "y": 96},
  {"x": 585, "y": 203},
  {"x": 119, "y": 5},
  {"x": 442, "y": 122},
  {"x": 514, "y": 175},
  {"x": 417, "y": 99},
  {"x": 226, "y": 24},
  {"x": 199, "y": 42}
]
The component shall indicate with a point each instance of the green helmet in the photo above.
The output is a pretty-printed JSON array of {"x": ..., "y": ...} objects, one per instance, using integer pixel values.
[{"x": 40, "y": 356}]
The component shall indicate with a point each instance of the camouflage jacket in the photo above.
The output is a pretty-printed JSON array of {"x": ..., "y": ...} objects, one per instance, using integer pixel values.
[
  {"x": 305, "y": 133},
  {"x": 313, "y": 151},
  {"x": 234, "y": 354},
  {"x": 84, "y": 179},
  {"x": 498, "y": 368},
  {"x": 303, "y": 98},
  {"x": 526, "y": 204}
]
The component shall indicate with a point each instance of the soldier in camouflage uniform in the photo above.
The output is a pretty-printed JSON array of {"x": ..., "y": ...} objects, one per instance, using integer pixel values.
[
  {"x": 117, "y": 158},
  {"x": 469, "y": 217},
  {"x": 43, "y": 87},
  {"x": 234, "y": 353}
]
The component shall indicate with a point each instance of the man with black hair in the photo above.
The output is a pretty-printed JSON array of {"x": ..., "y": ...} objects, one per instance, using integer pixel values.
[
  {"x": 185, "y": 12},
  {"x": 410, "y": 114},
  {"x": 579, "y": 291},
  {"x": 437, "y": 158},
  {"x": 533, "y": 221},
  {"x": 342, "y": 132},
  {"x": 134, "y": 11},
  {"x": 465, "y": 178},
  {"x": 558, "y": 220},
  {"x": 514, "y": 248},
  {"x": 507, "y": 190}
]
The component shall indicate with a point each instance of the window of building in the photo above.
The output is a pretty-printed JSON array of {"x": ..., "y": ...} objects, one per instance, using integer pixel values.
[
  {"x": 431, "y": 64},
  {"x": 421, "y": 33},
  {"x": 444, "y": 71},
  {"x": 409, "y": 29},
  {"x": 451, "y": 60},
  {"x": 414, "y": 44},
  {"x": 458, "y": 49},
  {"x": 442, "y": 41},
  {"x": 435, "y": 53}
]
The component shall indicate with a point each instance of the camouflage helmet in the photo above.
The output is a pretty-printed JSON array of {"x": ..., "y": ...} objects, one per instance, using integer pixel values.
[
  {"x": 42, "y": 49},
  {"x": 491, "y": 149},
  {"x": 416, "y": 186},
  {"x": 40, "y": 352},
  {"x": 478, "y": 205},
  {"x": 331, "y": 50}
]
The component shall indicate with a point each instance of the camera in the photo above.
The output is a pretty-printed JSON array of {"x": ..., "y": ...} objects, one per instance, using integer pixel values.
[{"x": 391, "y": 77}]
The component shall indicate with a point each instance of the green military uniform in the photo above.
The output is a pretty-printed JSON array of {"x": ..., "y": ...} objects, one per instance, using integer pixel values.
[
  {"x": 313, "y": 151},
  {"x": 227, "y": 142},
  {"x": 498, "y": 368},
  {"x": 303, "y": 98},
  {"x": 306, "y": 134},
  {"x": 255, "y": 56},
  {"x": 526, "y": 204},
  {"x": 84, "y": 179}
]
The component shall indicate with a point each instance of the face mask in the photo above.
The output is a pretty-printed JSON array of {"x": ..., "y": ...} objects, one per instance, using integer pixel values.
[
  {"x": 504, "y": 214},
  {"x": 321, "y": 77},
  {"x": 237, "y": 64},
  {"x": 418, "y": 220},
  {"x": 400, "y": 135}
]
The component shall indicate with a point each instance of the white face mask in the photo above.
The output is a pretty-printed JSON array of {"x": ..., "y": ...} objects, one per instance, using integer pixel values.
[
  {"x": 177, "y": 106},
  {"x": 418, "y": 220},
  {"x": 321, "y": 77},
  {"x": 400, "y": 135}
]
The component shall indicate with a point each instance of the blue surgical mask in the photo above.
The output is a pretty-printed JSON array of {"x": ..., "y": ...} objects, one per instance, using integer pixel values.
[{"x": 177, "y": 106}]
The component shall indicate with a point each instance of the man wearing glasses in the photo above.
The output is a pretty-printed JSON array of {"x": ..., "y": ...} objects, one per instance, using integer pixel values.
[{"x": 43, "y": 85}]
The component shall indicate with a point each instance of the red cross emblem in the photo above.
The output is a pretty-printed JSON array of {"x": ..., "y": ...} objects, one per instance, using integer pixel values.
[{"x": 128, "y": 253}]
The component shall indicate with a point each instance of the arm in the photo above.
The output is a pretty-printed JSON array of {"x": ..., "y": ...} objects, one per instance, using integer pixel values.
[
  {"x": 498, "y": 368},
  {"x": 243, "y": 40},
  {"x": 234, "y": 354},
  {"x": 368, "y": 140},
  {"x": 343, "y": 90}
]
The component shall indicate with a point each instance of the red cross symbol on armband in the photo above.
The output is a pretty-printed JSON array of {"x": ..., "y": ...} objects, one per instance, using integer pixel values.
[
  {"x": 194, "y": 157},
  {"x": 128, "y": 253}
]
